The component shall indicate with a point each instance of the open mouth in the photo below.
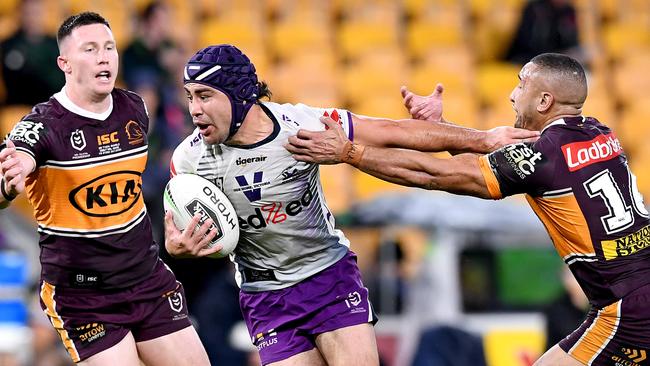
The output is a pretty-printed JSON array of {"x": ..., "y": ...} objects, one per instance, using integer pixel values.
[
  {"x": 103, "y": 75},
  {"x": 202, "y": 126}
]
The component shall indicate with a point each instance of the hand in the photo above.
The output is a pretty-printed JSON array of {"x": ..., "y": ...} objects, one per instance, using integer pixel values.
[
  {"x": 427, "y": 108},
  {"x": 193, "y": 241},
  {"x": 505, "y": 135},
  {"x": 12, "y": 170},
  {"x": 324, "y": 147}
]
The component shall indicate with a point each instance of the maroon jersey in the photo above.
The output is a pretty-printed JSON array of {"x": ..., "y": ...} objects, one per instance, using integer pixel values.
[
  {"x": 577, "y": 180},
  {"x": 86, "y": 191}
]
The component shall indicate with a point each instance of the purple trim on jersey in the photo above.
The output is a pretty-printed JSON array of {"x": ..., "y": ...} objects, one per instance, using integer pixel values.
[
  {"x": 351, "y": 126},
  {"x": 283, "y": 323}
]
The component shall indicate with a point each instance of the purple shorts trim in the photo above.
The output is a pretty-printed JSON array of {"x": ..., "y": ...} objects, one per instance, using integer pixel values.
[
  {"x": 91, "y": 321},
  {"x": 283, "y": 323},
  {"x": 617, "y": 334}
]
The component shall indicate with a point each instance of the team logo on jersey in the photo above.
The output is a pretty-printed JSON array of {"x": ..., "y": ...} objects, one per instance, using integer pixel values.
[
  {"x": 253, "y": 190},
  {"x": 522, "y": 159},
  {"x": 582, "y": 154},
  {"x": 78, "y": 140},
  {"x": 134, "y": 133},
  {"x": 28, "y": 132},
  {"x": 108, "y": 195}
]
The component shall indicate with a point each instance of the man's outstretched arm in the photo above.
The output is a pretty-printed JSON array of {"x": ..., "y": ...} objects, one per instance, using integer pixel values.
[{"x": 461, "y": 174}]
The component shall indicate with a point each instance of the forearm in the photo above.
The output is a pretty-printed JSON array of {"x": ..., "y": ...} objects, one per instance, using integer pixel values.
[
  {"x": 420, "y": 135},
  {"x": 5, "y": 196},
  {"x": 460, "y": 174}
]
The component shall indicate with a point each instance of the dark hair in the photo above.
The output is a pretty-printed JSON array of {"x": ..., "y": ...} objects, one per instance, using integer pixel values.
[
  {"x": 566, "y": 66},
  {"x": 149, "y": 10},
  {"x": 264, "y": 91},
  {"x": 78, "y": 20}
]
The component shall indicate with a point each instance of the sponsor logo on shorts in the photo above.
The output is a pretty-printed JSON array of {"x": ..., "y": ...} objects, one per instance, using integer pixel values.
[
  {"x": 581, "y": 154},
  {"x": 176, "y": 302},
  {"x": 632, "y": 357},
  {"x": 522, "y": 159},
  {"x": 627, "y": 245},
  {"x": 91, "y": 332},
  {"x": 265, "y": 339}
]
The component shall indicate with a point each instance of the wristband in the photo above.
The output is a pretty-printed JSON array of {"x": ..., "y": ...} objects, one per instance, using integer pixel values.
[
  {"x": 5, "y": 194},
  {"x": 352, "y": 153}
]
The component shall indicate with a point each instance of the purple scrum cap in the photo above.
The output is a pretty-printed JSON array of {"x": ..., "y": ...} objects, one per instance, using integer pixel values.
[{"x": 227, "y": 69}]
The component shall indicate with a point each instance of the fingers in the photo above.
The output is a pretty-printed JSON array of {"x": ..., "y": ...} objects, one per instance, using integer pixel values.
[
  {"x": 404, "y": 90},
  {"x": 303, "y": 157},
  {"x": 7, "y": 152},
  {"x": 10, "y": 144},
  {"x": 298, "y": 142},
  {"x": 519, "y": 133},
  {"x": 329, "y": 122},
  {"x": 170, "y": 227},
  {"x": 439, "y": 89}
]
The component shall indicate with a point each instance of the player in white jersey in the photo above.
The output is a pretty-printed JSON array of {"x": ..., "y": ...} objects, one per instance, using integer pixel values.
[{"x": 301, "y": 290}]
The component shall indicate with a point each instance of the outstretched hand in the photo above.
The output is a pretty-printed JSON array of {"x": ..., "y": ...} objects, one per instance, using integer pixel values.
[
  {"x": 191, "y": 242},
  {"x": 12, "y": 170},
  {"x": 324, "y": 147},
  {"x": 427, "y": 108},
  {"x": 505, "y": 135}
]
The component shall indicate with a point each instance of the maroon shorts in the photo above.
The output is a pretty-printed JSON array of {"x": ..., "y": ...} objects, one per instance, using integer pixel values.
[
  {"x": 615, "y": 335},
  {"x": 90, "y": 321}
]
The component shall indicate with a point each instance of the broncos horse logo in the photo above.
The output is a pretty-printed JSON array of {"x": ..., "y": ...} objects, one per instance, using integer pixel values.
[{"x": 134, "y": 133}]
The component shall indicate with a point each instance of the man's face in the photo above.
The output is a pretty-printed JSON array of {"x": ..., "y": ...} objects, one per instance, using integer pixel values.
[
  {"x": 524, "y": 97},
  {"x": 211, "y": 112},
  {"x": 89, "y": 57}
]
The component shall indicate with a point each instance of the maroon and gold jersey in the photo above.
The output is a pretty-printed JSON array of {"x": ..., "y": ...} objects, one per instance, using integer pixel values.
[
  {"x": 577, "y": 180},
  {"x": 86, "y": 190}
]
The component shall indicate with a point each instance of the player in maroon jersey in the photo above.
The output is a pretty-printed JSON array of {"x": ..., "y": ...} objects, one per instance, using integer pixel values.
[
  {"x": 576, "y": 179},
  {"x": 79, "y": 158}
]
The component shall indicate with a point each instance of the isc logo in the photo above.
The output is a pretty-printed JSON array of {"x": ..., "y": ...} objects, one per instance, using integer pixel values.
[
  {"x": 107, "y": 138},
  {"x": 108, "y": 195}
]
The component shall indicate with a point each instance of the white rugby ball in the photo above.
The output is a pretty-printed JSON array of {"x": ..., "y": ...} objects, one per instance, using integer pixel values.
[{"x": 188, "y": 194}]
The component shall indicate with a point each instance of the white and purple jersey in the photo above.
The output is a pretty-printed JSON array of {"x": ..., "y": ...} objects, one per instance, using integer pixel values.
[{"x": 287, "y": 230}]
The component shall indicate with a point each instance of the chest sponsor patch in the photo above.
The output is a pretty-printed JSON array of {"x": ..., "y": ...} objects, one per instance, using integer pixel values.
[{"x": 582, "y": 154}]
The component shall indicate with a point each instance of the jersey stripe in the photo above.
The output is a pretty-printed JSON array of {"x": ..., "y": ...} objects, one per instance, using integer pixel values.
[
  {"x": 490, "y": 178},
  {"x": 47, "y": 295}
]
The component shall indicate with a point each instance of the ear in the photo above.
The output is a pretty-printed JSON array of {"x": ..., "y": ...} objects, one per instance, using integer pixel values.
[
  {"x": 63, "y": 64},
  {"x": 545, "y": 102}
]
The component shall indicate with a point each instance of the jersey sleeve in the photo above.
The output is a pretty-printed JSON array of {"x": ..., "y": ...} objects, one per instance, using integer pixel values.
[
  {"x": 342, "y": 116},
  {"x": 517, "y": 168},
  {"x": 186, "y": 155},
  {"x": 31, "y": 137}
]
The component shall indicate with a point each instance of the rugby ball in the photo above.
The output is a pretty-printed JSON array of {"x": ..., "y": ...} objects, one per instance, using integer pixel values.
[{"x": 188, "y": 194}]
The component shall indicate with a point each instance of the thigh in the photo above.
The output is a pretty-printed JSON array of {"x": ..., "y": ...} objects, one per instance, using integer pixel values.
[
  {"x": 180, "y": 348},
  {"x": 557, "y": 357},
  {"x": 311, "y": 358},
  {"x": 354, "y": 345},
  {"x": 123, "y": 353}
]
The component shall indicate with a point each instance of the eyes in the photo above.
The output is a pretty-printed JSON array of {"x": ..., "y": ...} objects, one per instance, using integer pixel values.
[{"x": 92, "y": 48}]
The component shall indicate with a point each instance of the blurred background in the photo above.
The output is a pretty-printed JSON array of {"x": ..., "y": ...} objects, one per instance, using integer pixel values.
[{"x": 456, "y": 281}]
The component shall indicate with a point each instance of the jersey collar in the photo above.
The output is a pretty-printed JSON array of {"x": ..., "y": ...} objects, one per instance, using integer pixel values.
[{"x": 65, "y": 101}]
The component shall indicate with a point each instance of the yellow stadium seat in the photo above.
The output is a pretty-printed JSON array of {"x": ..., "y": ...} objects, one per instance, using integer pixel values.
[
  {"x": 291, "y": 39},
  {"x": 631, "y": 78},
  {"x": 640, "y": 166},
  {"x": 314, "y": 84},
  {"x": 493, "y": 34},
  {"x": 424, "y": 37},
  {"x": 387, "y": 106},
  {"x": 634, "y": 126},
  {"x": 622, "y": 38},
  {"x": 9, "y": 116},
  {"x": 371, "y": 78},
  {"x": 495, "y": 82},
  {"x": 367, "y": 187},
  {"x": 357, "y": 38},
  {"x": 338, "y": 187},
  {"x": 497, "y": 115}
]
